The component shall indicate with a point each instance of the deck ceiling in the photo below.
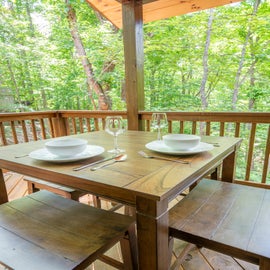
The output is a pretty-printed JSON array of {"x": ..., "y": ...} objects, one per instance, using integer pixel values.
[{"x": 154, "y": 9}]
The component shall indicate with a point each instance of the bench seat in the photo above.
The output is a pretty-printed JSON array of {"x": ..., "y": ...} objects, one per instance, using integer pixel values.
[
  {"x": 229, "y": 218},
  {"x": 46, "y": 231}
]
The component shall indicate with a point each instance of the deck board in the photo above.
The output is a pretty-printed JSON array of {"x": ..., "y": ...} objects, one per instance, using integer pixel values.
[{"x": 196, "y": 259}]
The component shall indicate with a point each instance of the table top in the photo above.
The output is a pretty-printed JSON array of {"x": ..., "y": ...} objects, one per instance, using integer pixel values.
[{"x": 123, "y": 181}]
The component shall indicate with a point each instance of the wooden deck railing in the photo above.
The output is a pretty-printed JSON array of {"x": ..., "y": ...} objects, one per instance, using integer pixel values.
[{"x": 253, "y": 156}]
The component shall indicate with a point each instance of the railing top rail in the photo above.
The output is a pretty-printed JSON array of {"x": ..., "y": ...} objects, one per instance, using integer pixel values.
[
  {"x": 241, "y": 117},
  {"x": 85, "y": 113},
  {"x": 5, "y": 117}
]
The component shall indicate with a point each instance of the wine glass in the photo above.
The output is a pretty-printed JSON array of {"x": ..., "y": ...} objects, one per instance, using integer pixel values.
[
  {"x": 159, "y": 121},
  {"x": 114, "y": 125}
]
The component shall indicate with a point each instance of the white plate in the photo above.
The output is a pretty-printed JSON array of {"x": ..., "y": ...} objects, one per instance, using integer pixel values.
[
  {"x": 44, "y": 155},
  {"x": 159, "y": 146}
]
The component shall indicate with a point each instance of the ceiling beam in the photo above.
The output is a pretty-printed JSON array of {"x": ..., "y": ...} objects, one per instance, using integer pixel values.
[{"x": 154, "y": 10}]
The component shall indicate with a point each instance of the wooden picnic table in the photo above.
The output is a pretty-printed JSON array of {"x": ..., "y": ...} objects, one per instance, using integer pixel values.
[{"x": 147, "y": 184}]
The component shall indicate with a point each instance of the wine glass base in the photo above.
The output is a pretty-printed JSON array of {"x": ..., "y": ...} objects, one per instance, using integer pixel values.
[{"x": 116, "y": 151}]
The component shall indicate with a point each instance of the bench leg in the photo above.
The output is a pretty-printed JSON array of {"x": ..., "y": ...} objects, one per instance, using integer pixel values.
[{"x": 129, "y": 248}]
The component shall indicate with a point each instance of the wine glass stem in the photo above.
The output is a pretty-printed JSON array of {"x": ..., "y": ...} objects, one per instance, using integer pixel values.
[
  {"x": 115, "y": 143},
  {"x": 159, "y": 135}
]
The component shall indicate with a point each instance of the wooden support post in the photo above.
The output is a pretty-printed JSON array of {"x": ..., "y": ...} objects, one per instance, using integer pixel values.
[
  {"x": 59, "y": 126},
  {"x": 134, "y": 59}
]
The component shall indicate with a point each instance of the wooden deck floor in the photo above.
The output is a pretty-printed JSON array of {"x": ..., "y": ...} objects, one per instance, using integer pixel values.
[{"x": 194, "y": 259}]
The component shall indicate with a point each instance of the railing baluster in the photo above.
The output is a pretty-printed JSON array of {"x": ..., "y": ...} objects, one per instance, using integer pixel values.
[
  {"x": 222, "y": 129},
  {"x": 208, "y": 128},
  {"x": 169, "y": 126},
  {"x": 250, "y": 151},
  {"x": 42, "y": 128},
  {"x": 81, "y": 125},
  {"x": 147, "y": 125},
  {"x": 24, "y": 130},
  {"x": 73, "y": 121},
  {"x": 181, "y": 127},
  {"x": 88, "y": 124},
  {"x": 266, "y": 157},
  {"x": 51, "y": 129},
  {"x": 237, "y": 130},
  {"x": 3, "y": 134},
  {"x": 34, "y": 130},
  {"x": 14, "y": 133},
  {"x": 194, "y": 126}
]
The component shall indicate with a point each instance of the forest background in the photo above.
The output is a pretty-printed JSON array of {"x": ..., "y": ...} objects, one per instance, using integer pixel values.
[{"x": 63, "y": 55}]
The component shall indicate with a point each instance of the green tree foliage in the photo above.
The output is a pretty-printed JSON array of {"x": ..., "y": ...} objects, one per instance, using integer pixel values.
[{"x": 40, "y": 67}]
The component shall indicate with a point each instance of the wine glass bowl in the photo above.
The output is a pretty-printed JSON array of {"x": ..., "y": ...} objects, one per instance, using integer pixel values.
[
  {"x": 114, "y": 125},
  {"x": 159, "y": 121}
]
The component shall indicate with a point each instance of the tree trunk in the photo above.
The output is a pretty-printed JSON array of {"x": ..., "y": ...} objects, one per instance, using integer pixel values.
[
  {"x": 238, "y": 80},
  {"x": 252, "y": 80},
  {"x": 92, "y": 83},
  {"x": 28, "y": 11},
  {"x": 205, "y": 61},
  {"x": 13, "y": 79}
]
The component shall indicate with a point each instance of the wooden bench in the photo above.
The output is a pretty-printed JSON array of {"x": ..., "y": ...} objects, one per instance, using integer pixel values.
[
  {"x": 34, "y": 184},
  {"x": 46, "y": 231},
  {"x": 229, "y": 218}
]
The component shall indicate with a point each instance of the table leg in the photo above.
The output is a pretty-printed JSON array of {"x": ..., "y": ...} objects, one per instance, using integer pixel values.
[
  {"x": 153, "y": 237},
  {"x": 3, "y": 190},
  {"x": 228, "y": 168}
]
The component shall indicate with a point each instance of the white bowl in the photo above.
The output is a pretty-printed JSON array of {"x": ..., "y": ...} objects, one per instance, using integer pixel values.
[
  {"x": 66, "y": 147},
  {"x": 181, "y": 141}
]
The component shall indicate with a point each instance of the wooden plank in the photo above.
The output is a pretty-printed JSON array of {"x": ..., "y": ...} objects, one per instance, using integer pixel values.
[
  {"x": 16, "y": 187},
  {"x": 49, "y": 225},
  {"x": 195, "y": 261},
  {"x": 232, "y": 219},
  {"x": 162, "y": 9},
  {"x": 239, "y": 223},
  {"x": 19, "y": 190},
  {"x": 28, "y": 251},
  {"x": 110, "y": 9},
  {"x": 154, "y": 10},
  {"x": 246, "y": 265},
  {"x": 221, "y": 261},
  {"x": 258, "y": 241}
]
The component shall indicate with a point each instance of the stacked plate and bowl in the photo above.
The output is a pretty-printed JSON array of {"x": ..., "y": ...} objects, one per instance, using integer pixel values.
[
  {"x": 179, "y": 144},
  {"x": 66, "y": 150}
]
